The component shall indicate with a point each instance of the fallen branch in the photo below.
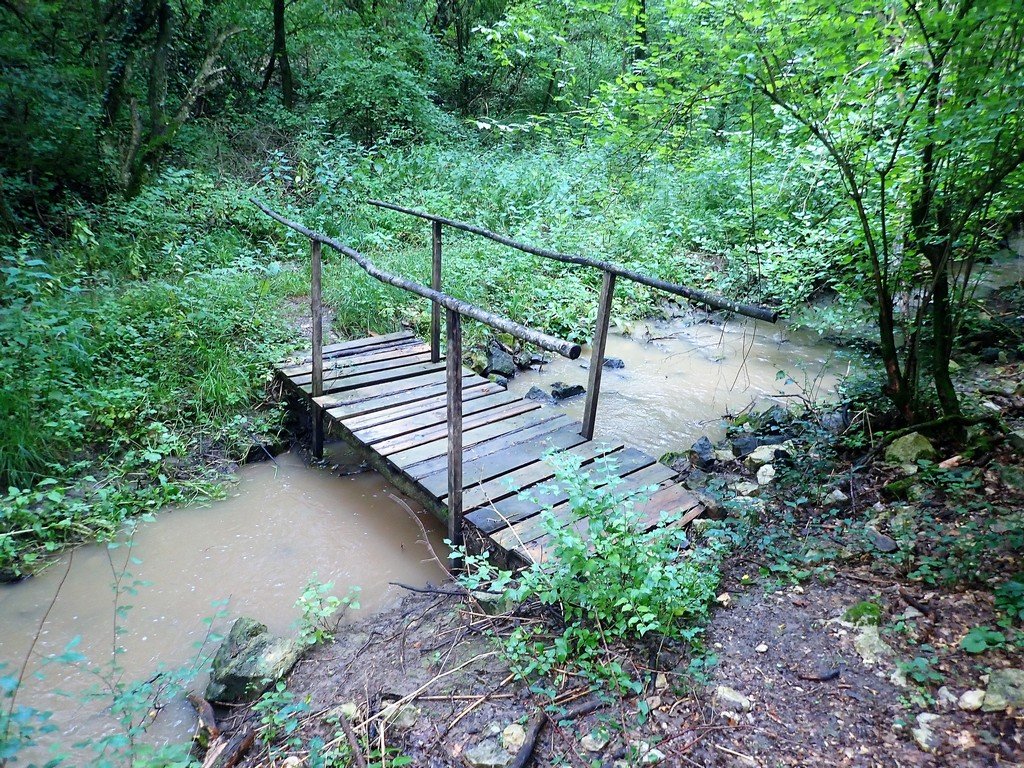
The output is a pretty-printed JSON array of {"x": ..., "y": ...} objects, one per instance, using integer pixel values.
[
  {"x": 428, "y": 590},
  {"x": 353, "y": 742},
  {"x": 536, "y": 725}
]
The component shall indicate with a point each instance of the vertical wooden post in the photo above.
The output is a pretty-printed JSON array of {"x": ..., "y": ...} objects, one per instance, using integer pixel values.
[
  {"x": 604, "y": 314},
  {"x": 317, "y": 383},
  {"x": 453, "y": 356},
  {"x": 435, "y": 283}
]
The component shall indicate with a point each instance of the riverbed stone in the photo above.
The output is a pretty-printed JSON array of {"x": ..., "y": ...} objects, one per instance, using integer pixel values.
[
  {"x": 488, "y": 754},
  {"x": 1016, "y": 440},
  {"x": 538, "y": 394},
  {"x": 880, "y": 541},
  {"x": 249, "y": 661},
  {"x": 499, "y": 361},
  {"x": 513, "y": 737},
  {"x": 562, "y": 391},
  {"x": 1005, "y": 690},
  {"x": 924, "y": 733},
  {"x": 743, "y": 445},
  {"x": 614, "y": 363},
  {"x": 757, "y": 458},
  {"x": 702, "y": 453},
  {"x": 910, "y": 449},
  {"x": 595, "y": 741}
]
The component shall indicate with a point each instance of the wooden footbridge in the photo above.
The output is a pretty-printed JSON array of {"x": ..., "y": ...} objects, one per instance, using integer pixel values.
[{"x": 455, "y": 441}]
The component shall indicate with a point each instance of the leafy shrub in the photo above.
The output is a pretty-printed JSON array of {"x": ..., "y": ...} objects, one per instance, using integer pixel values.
[
  {"x": 607, "y": 576},
  {"x": 321, "y": 611}
]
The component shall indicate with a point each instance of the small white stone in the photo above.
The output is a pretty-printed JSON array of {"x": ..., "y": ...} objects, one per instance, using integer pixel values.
[
  {"x": 724, "y": 599},
  {"x": 661, "y": 681},
  {"x": 765, "y": 474},
  {"x": 971, "y": 701},
  {"x": 513, "y": 737},
  {"x": 731, "y": 699},
  {"x": 762, "y": 648}
]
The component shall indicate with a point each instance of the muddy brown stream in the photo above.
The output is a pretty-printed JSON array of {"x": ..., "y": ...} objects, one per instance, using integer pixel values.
[
  {"x": 282, "y": 522},
  {"x": 680, "y": 377}
]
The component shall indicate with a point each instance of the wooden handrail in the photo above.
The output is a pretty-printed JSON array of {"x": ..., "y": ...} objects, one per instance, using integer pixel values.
[
  {"x": 538, "y": 338},
  {"x": 456, "y": 309},
  {"x": 691, "y": 294}
]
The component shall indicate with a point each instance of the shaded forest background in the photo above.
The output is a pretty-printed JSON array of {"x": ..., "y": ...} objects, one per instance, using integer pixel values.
[{"x": 784, "y": 152}]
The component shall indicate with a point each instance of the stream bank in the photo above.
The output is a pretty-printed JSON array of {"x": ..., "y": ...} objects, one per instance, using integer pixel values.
[{"x": 877, "y": 626}]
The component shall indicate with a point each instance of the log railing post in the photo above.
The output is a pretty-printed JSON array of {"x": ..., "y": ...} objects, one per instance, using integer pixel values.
[
  {"x": 317, "y": 383},
  {"x": 453, "y": 367},
  {"x": 435, "y": 283},
  {"x": 604, "y": 314}
]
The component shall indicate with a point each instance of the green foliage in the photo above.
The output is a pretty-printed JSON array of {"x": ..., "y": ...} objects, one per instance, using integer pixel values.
[
  {"x": 981, "y": 639},
  {"x": 865, "y": 612},
  {"x": 280, "y": 713},
  {"x": 610, "y": 579},
  {"x": 321, "y": 611}
]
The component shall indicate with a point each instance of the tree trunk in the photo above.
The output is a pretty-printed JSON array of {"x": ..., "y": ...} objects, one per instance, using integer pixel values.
[
  {"x": 640, "y": 27},
  {"x": 281, "y": 54},
  {"x": 157, "y": 99}
]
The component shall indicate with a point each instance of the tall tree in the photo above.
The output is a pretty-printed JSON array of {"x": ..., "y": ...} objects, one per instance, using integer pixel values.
[{"x": 279, "y": 54}]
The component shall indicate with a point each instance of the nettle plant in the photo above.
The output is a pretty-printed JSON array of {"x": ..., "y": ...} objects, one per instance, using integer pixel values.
[{"x": 609, "y": 576}]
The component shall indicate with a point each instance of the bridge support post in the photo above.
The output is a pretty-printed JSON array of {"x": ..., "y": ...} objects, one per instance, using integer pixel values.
[
  {"x": 435, "y": 283},
  {"x": 454, "y": 374},
  {"x": 597, "y": 347},
  {"x": 317, "y": 383}
]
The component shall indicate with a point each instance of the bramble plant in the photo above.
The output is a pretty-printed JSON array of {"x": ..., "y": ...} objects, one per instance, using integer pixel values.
[{"x": 609, "y": 578}]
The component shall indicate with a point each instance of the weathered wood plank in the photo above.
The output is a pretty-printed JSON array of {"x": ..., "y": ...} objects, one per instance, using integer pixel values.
[
  {"x": 338, "y": 371},
  {"x": 515, "y": 509},
  {"x": 455, "y": 425},
  {"x": 503, "y": 443},
  {"x": 436, "y": 432},
  {"x": 435, "y": 417},
  {"x": 407, "y": 459},
  {"x": 510, "y": 483},
  {"x": 508, "y": 457},
  {"x": 333, "y": 375},
  {"x": 671, "y": 498},
  {"x": 345, "y": 383},
  {"x": 399, "y": 394},
  {"x": 390, "y": 351},
  {"x": 407, "y": 409},
  {"x": 551, "y": 495},
  {"x": 345, "y": 347},
  {"x": 530, "y": 528}
]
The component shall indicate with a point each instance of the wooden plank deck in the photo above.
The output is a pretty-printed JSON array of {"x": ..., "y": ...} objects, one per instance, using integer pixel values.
[{"x": 385, "y": 397}]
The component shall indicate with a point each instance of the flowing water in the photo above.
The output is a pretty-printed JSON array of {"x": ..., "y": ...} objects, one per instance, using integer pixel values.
[
  {"x": 258, "y": 548},
  {"x": 680, "y": 377}
]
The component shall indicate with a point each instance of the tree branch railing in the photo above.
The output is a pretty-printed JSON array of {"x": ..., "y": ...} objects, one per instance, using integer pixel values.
[
  {"x": 455, "y": 309},
  {"x": 610, "y": 272}
]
